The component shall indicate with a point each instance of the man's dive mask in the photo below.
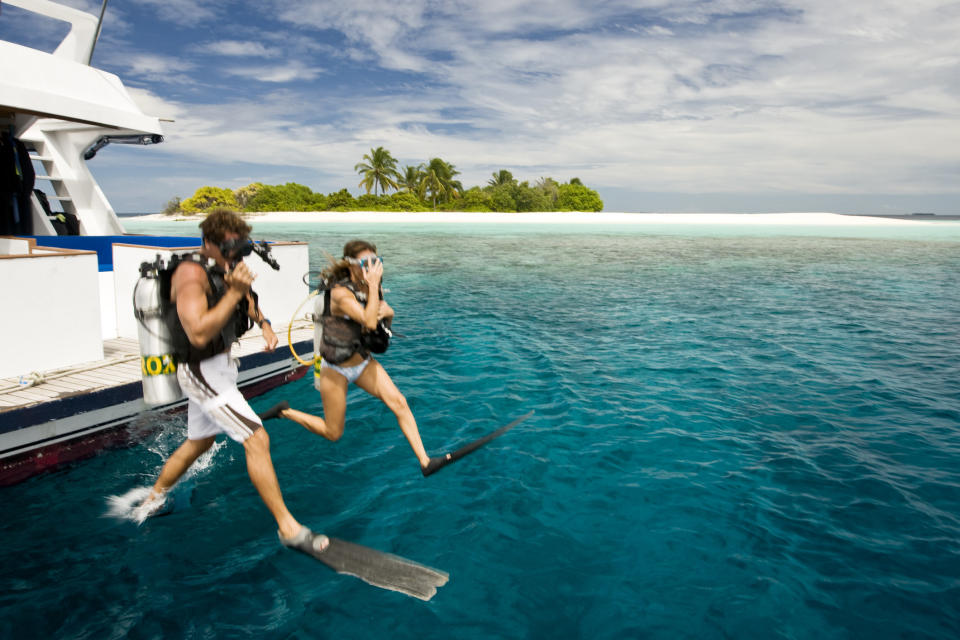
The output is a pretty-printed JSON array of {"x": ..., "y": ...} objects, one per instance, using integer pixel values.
[{"x": 237, "y": 249}]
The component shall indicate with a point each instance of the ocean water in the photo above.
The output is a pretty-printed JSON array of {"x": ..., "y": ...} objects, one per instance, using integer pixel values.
[{"x": 736, "y": 436}]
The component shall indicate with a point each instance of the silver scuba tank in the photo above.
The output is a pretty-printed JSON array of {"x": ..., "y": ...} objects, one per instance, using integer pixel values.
[
  {"x": 157, "y": 364},
  {"x": 318, "y": 306}
]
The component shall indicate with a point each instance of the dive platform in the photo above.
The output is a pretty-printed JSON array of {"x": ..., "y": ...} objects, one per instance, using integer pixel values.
[{"x": 48, "y": 418}]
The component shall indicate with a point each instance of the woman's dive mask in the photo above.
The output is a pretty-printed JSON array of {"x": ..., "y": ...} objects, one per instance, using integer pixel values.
[{"x": 364, "y": 263}]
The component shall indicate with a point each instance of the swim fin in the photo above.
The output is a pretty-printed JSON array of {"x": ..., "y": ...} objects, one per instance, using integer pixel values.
[
  {"x": 383, "y": 570},
  {"x": 380, "y": 569},
  {"x": 274, "y": 411},
  {"x": 439, "y": 462}
]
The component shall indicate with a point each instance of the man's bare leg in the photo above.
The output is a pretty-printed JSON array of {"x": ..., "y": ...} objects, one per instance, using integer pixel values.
[
  {"x": 264, "y": 478},
  {"x": 178, "y": 463},
  {"x": 175, "y": 466}
]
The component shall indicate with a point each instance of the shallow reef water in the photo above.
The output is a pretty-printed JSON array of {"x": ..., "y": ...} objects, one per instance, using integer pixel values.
[{"x": 734, "y": 436}]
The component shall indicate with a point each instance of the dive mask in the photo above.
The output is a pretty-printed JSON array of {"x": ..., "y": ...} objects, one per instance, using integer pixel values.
[
  {"x": 239, "y": 248},
  {"x": 365, "y": 263},
  {"x": 236, "y": 249}
]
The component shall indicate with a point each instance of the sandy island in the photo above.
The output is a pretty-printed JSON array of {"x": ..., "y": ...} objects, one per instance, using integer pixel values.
[{"x": 565, "y": 218}]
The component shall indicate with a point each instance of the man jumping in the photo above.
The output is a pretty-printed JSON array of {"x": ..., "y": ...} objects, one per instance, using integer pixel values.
[{"x": 211, "y": 306}]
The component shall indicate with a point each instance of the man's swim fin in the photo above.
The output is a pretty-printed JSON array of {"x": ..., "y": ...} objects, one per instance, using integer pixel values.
[
  {"x": 440, "y": 462},
  {"x": 383, "y": 570},
  {"x": 380, "y": 569}
]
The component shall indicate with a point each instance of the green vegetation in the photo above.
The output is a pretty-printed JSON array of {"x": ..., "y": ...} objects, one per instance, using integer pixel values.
[
  {"x": 207, "y": 198},
  {"x": 285, "y": 197},
  {"x": 425, "y": 187},
  {"x": 172, "y": 207}
]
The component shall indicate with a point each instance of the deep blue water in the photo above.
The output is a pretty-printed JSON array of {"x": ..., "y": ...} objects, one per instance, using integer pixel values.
[{"x": 735, "y": 437}]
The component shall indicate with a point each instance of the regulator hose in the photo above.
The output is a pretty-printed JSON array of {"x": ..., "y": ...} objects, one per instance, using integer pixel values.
[{"x": 290, "y": 331}]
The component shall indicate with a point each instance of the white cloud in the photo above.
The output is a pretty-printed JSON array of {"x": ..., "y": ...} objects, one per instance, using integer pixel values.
[
  {"x": 812, "y": 96},
  {"x": 154, "y": 105},
  {"x": 186, "y": 13},
  {"x": 155, "y": 65},
  {"x": 288, "y": 72},
  {"x": 239, "y": 48}
]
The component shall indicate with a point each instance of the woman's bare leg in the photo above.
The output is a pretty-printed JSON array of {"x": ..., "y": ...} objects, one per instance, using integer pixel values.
[
  {"x": 375, "y": 381},
  {"x": 333, "y": 392}
]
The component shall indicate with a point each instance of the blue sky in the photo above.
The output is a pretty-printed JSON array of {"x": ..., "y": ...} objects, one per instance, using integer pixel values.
[{"x": 660, "y": 105}]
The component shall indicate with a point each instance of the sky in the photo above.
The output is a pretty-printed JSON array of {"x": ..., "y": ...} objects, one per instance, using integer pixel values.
[{"x": 660, "y": 105}]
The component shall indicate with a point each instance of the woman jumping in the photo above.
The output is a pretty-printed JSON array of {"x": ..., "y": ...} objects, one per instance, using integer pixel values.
[{"x": 355, "y": 312}]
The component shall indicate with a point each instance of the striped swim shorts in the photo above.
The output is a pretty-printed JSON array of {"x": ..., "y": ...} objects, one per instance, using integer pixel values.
[{"x": 215, "y": 405}]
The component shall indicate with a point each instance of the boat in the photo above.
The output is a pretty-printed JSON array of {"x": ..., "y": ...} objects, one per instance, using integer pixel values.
[{"x": 70, "y": 366}]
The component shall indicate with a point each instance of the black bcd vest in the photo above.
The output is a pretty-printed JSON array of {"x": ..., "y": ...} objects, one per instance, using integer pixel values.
[
  {"x": 238, "y": 324},
  {"x": 342, "y": 337}
]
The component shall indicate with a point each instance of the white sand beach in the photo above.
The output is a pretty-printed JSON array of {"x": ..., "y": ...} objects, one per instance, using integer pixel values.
[{"x": 813, "y": 219}]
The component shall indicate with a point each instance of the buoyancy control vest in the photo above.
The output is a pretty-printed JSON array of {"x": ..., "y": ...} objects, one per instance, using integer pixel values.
[
  {"x": 343, "y": 337},
  {"x": 238, "y": 324}
]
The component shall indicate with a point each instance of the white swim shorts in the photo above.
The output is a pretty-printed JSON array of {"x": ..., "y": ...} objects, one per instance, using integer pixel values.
[{"x": 215, "y": 405}]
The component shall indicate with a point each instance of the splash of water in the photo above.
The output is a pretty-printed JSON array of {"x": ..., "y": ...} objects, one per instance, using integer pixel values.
[
  {"x": 130, "y": 505},
  {"x": 137, "y": 505}
]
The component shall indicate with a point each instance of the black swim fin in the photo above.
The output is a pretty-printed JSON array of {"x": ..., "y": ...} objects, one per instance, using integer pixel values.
[
  {"x": 380, "y": 569},
  {"x": 274, "y": 411},
  {"x": 439, "y": 462}
]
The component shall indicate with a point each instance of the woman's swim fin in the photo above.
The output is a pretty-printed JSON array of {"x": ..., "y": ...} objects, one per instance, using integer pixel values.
[
  {"x": 439, "y": 462},
  {"x": 274, "y": 411}
]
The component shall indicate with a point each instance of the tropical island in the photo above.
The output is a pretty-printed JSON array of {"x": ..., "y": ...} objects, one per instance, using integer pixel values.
[{"x": 430, "y": 186}]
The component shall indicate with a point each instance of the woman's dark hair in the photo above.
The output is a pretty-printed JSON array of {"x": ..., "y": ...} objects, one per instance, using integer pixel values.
[{"x": 340, "y": 269}]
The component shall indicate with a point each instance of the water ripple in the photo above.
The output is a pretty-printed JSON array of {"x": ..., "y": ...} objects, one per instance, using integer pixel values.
[{"x": 733, "y": 437}]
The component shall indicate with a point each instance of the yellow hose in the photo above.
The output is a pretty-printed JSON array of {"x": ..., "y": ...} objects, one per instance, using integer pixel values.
[{"x": 290, "y": 332}]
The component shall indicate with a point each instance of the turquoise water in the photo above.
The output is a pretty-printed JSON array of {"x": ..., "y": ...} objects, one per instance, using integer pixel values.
[{"x": 735, "y": 436}]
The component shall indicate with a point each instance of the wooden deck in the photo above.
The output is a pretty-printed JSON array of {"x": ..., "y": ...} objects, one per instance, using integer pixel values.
[{"x": 120, "y": 365}]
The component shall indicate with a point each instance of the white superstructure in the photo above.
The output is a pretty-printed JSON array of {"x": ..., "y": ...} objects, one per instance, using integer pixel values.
[
  {"x": 61, "y": 107},
  {"x": 70, "y": 370},
  {"x": 62, "y": 303}
]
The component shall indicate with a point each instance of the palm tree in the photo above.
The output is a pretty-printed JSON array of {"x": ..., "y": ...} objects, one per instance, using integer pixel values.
[
  {"x": 550, "y": 188},
  {"x": 379, "y": 170},
  {"x": 410, "y": 178},
  {"x": 500, "y": 178},
  {"x": 438, "y": 182}
]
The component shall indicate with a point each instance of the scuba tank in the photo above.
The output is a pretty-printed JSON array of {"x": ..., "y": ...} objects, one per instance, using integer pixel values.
[
  {"x": 318, "y": 307},
  {"x": 157, "y": 364}
]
